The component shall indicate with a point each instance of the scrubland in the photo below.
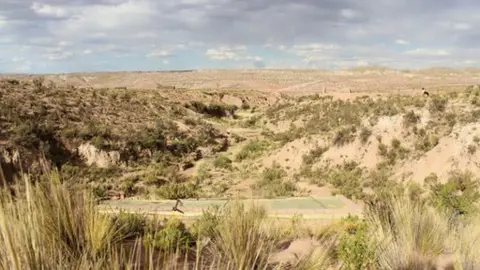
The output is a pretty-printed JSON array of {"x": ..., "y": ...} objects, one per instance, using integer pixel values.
[{"x": 410, "y": 161}]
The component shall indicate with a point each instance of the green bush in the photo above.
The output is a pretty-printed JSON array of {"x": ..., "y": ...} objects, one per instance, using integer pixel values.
[
  {"x": 356, "y": 248},
  {"x": 173, "y": 191},
  {"x": 459, "y": 195},
  {"x": 252, "y": 150},
  {"x": 130, "y": 224},
  {"x": 346, "y": 179},
  {"x": 272, "y": 183},
  {"x": 174, "y": 236},
  {"x": 222, "y": 162}
]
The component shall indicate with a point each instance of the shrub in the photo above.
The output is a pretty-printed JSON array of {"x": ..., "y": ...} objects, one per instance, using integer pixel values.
[
  {"x": 222, "y": 162},
  {"x": 344, "y": 136},
  {"x": 272, "y": 183},
  {"x": 396, "y": 143},
  {"x": 356, "y": 248},
  {"x": 471, "y": 149},
  {"x": 410, "y": 119},
  {"x": 426, "y": 143},
  {"x": 173, "y": 191},
  {"x": 252, "y": 150},
  {"x": 130, "y": 224},
  {"x": 314, "y": 154},
  {"x": 239, "y": 238},
  {"x": 173, "y": 237},
  {"x": 53, "y": 227},
  {"x": 214, "y": 110},
  {"x": 459, "y": 195},
  {"x": 410, "y": 235},
  {"x": 382, "y": 150},
  {"x": 346, "y": 179},
  {"x": 365, "y": 134},
  {"x": 437, "y": 105}
]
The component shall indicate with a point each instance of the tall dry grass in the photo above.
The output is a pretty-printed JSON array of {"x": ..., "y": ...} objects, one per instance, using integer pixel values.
[
  {"x": 414, "y": 235},
  {"x": 49, "y": 226}
]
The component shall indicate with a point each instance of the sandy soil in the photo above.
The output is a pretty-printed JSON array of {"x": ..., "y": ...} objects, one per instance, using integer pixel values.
[{"x": 297, "y": 82}]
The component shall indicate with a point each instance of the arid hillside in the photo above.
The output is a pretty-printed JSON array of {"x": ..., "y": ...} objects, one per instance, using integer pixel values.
[
  {"x": 372, "y": 137},
  {"x": 168, "y": 141}
]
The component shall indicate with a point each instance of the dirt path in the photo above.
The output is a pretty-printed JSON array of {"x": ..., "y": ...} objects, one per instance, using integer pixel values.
[{"x": 310, "y": 208}]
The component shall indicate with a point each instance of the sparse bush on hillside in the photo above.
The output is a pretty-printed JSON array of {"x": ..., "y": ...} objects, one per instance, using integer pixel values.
[
  {"x": 426, "y": 142},
  {"x": 214, "y": 110},
  {"x": 391, "y": 155},
  {"x": 410, "y": 119},
  {"x": 344, "y": 136},
  {"x": 222, "y": 162},
  {"x": 273, "y": 184},
  {"x": 173, "y": 191},
  {"x": 459, "y": 195},
  {"x": 382, "y": 150},
  {"x": 288, "y": 136},
  {"x": 396, "y": 143},
  {"x": 347, "y": 180},
  {"x": 251, "y": 122},
  {"x": 471, "y": 149},
  {"x": 365, "y": 134},
  {"x": 438, "y": 105},
  {"x": 252, "y": 150},
  {"x": 314, "y": 154}
]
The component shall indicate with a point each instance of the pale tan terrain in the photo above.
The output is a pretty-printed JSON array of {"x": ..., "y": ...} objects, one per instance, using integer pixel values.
[{"x": 377, "y": 80}]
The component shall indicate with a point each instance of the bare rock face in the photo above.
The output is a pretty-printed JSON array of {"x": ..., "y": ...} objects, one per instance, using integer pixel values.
[{"x": 100, "y": 158}]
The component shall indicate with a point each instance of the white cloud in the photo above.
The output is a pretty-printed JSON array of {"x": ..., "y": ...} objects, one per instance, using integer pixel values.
[
  {"x": 57, "y": 54},
  {"x": 254, "y": 58},
  {"x": 348, "y": 13},
  {"x": 166, "y": 62},
  {"x": 159, "y": 53},
  {"x": 18, "y": 59},
  {"x": 304, "y": 33},
  {"x": 3, "y": 21},
  {"x": 49, "y": 10},
  {"x": 428, "y": 52},
  {"x": 226, "y": 53},
  {"x": 461, "y": 26},
  {"x": 130, "y": 17},
  {"x": 402, "y": 42},
  {"x": 313, "y": 51}
]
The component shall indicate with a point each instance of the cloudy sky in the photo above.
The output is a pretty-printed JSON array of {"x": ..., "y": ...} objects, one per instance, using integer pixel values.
[{"x": 93, "y": 35}]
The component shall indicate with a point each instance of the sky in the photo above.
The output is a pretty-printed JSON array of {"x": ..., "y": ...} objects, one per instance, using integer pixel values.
[{"x": 56, "y": 36}]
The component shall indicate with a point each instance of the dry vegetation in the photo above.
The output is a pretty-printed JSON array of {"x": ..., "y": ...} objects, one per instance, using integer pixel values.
[{"x": 410, "y": 160}]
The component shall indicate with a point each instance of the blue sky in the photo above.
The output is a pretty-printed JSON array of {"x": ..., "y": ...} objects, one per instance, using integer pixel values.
[{"x": 51, "y": 36}]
